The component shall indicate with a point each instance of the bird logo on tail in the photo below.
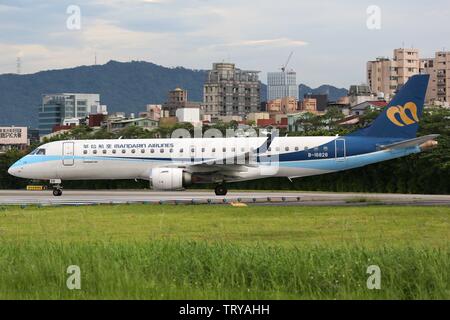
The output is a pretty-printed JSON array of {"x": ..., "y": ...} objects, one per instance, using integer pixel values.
[{"x": 403, "y": 118}]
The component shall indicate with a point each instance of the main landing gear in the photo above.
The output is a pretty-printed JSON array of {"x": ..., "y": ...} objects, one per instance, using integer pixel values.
[
  {"x": 221, "y": 190},
  {"x": 57, "y": 188},
  {"x": 57, "y": 192}
]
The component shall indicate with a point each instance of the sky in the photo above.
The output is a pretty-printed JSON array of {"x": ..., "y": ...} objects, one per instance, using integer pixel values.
[{"x": 330, "y": 39}]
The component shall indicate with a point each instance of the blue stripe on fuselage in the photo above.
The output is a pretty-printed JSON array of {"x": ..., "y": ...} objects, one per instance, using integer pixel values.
[
  {"x": 33, "y": 159},
  {"x": 351, "y": 161},
  {"x": 354, "y": 146}
]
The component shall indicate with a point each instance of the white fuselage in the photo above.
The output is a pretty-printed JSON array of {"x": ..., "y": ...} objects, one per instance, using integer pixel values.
[{"x": 226, "y": 158}]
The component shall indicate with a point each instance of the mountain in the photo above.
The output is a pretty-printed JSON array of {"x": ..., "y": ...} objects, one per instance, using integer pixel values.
[
  {"x": 333, "y": 92},
  {"x": 123, "y": 86}
]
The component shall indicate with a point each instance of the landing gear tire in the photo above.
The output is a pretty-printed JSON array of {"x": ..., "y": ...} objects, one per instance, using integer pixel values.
[
  {"x": 57, "y": 192},
  {"x": 221, "y": 190}
]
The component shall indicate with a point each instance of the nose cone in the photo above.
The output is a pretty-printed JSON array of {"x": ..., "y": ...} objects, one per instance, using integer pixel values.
[
  {"x": 16, "y": 169},
  {"x": 12, "y": 171}
]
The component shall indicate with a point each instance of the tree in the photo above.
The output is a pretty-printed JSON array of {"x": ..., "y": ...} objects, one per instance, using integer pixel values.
[{"x": 7, "y": 160}]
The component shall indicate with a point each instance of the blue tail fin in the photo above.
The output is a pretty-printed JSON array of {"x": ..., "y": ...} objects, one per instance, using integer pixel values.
[{"x": 400, "y": 119}]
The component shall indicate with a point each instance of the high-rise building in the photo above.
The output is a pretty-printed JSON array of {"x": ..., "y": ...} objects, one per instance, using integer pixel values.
[
  {"x": 439, "y": 70},
  {"x": 229, "y": 91},
  {"x": 381, "y": 76},
  {"x": 386, "y": 75},
  {"x": 281, "y": 85},
  {"x": 406, "y": 64},
  {"x": 55, "y": 108}
]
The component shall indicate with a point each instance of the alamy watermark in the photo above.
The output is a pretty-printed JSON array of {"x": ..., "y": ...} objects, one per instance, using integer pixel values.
[
  {"x": 373, "y": 21},
  {"x": 73, "y": 21},
  {"x": 374, "y": 280},
  {"x": 240, "y": 147},
  {"x": 74, "y": 280}
]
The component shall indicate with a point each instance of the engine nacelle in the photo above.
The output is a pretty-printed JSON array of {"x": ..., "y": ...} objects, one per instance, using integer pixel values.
[{"x": 169, "y": 179}]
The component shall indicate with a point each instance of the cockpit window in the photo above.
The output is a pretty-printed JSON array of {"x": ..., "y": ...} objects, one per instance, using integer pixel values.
[{"x": 38, "y": 151}]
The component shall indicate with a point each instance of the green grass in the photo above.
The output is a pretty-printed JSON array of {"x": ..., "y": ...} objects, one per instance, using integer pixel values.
[{"x": 221, "y": 252}]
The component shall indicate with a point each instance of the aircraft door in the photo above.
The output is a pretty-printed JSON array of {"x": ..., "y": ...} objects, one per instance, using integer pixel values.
[
  {"x": 340, "y": 150},
  {"x": 68, "y": 154}
]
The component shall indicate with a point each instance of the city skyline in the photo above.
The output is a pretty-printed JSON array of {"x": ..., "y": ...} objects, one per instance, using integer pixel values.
[{"x": 331, "y": 41}]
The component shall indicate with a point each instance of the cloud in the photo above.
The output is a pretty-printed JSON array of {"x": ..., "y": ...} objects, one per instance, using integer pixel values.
[
  {"x": 330, "y": 38},
  {"x": 280, "y": 42}
]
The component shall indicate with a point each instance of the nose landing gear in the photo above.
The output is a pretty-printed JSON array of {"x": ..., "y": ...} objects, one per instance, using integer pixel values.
[{"x": 57, "y": 188}]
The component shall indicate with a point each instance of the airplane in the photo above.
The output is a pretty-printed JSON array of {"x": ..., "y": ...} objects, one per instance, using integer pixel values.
[{"x": 174, "y": 164}]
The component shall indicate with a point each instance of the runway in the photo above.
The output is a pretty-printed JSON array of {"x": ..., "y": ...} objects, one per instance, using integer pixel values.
[{"x": 282, "y": 198}]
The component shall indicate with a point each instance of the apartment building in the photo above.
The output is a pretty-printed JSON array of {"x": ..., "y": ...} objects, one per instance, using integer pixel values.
[
  {"x": 386, "y": 75},
  {"x": 308, "y": 104},
  {"x": 284, "y": 105},
  {"x": 178, "y": 99},
  {"x": 439, "y": 70},
  {"x": 229, "y": 91}
]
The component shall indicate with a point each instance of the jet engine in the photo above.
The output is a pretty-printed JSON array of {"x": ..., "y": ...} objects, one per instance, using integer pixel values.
[{"x": 168, "y": 179}]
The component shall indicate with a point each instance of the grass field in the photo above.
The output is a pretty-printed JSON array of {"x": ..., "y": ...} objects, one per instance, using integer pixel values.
[{"x": 221, "y": 252}]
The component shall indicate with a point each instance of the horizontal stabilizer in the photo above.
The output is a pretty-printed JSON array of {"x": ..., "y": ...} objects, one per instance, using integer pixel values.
[{"x": 410, "y": 143}]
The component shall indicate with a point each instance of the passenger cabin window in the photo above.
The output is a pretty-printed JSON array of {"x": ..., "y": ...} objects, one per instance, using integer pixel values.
[
  {"x": 114, "y": 151},
  {"x": 84, "y": 151},
  {"x": 123, "y": 151},
  {"x": 104, "y": 151},
  {"x": 94, "y": 152}
]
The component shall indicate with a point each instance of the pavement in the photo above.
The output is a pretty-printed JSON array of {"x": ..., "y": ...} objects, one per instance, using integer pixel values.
[{"x": 86, "y": 197}]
